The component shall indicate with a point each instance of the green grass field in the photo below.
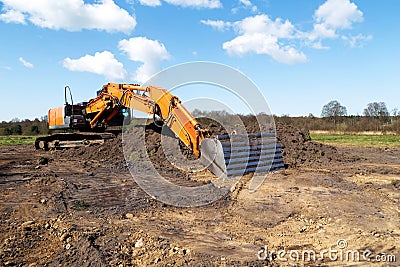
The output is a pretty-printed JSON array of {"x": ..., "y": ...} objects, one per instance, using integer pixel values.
[
  {"x": 358, "y": 140},
  {"x": 333, "y": 139},
  {"x": 17, "y": 140}
]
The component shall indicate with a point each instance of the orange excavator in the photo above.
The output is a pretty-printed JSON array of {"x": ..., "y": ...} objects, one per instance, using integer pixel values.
[{"x": 225, "y": 155}]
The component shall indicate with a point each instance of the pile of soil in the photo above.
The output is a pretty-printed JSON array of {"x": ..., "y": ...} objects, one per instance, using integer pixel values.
[
  {"x": 298, "y": 148},
  {"x": 110, "y": 151}
]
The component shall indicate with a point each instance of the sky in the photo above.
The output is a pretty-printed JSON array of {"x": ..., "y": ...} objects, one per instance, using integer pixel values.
[{"x": 300, "y": 54}]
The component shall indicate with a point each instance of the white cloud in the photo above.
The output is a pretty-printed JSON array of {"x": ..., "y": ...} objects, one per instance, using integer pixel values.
[
  {"x": 25, "y": 63},
  {"x": 102, "y": 63},
  {"x": 150, "y": 2},
  {"x": 71, "y": 15},
  {"x": 261, "y": 35},
  {"x": 13, "y": 16},
  {"x": 358, "y": 40},
  {"x": 248, "y": 5},
  {"x": 185, "y": 3},
  {"x": 319, "y": 45},
  {"x": 332, "y": 16},
  {"x": 263, "y": 24},
  {"x": 338, "y": 14},
  {"x": 246, "y": 2},
  {"x": 217, "y": 24},
  {"x": 322, "y": 31},
  {"x": 140, "y": 49},
  {"x": 280, "y": 38},
  {"x": 260, "y": 43},
  {"x": 149, "y": 52},
  {"x": 196, "y": 3}
]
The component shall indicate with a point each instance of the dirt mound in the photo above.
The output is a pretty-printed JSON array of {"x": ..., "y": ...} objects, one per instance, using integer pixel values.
[
  {"x": 110, "y": 151},
  {"x": 158, "y": 158},
  {"x": 298, "y": 148}
]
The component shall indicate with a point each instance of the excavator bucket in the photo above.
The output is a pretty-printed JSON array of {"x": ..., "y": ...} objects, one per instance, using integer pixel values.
[{"x": 238, "y": 154}]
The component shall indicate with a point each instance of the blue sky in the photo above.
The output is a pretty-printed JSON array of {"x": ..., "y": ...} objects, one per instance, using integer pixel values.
[{"x": 301, "y": 54}]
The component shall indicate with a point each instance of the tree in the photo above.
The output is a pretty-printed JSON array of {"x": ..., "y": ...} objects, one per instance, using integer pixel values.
[
  {"x": 333, "y": 109},
  {"x": 34, "y": 129},
  {"x": 375, "y": 109},
  {"x": 7, "y": 131},
  {"x": 43, "y": 118},
  {"x": 379, "y": 112},
  {"x": 17, "y": 129}
]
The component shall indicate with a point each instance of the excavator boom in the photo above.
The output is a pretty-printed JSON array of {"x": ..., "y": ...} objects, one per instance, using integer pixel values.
[{"x": 152, "y": 100}]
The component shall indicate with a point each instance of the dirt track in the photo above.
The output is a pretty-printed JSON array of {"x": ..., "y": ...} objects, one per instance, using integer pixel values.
[{"x": 84, "y": 208}]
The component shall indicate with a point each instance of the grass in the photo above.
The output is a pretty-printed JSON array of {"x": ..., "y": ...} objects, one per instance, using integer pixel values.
[
  {"x": 17, "y": 140},
  {"x": 333, "y": 139},
  {"x": 358, "y": 140}
]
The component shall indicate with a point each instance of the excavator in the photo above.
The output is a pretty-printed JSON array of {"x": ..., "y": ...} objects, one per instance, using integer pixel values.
[{"x": 224, "y": 155}]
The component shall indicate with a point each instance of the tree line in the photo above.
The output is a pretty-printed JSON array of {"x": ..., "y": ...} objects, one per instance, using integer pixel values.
[
  {"x": 375, "y": 109},
  {"x": 375, "y": 117},
  {"x": 24, "y": 127}
]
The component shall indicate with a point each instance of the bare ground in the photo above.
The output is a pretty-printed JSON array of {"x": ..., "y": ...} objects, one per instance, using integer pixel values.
[{"x": 81, "y": 209}]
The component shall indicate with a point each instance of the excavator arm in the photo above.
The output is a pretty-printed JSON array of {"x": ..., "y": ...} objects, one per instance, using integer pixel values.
[{"x": 152, "y": 100}]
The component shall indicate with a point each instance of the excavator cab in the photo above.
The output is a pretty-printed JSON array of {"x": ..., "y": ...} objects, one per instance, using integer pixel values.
[
  {"x": 74, "y": 116},
  {"x": 67, "y": 117}
]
